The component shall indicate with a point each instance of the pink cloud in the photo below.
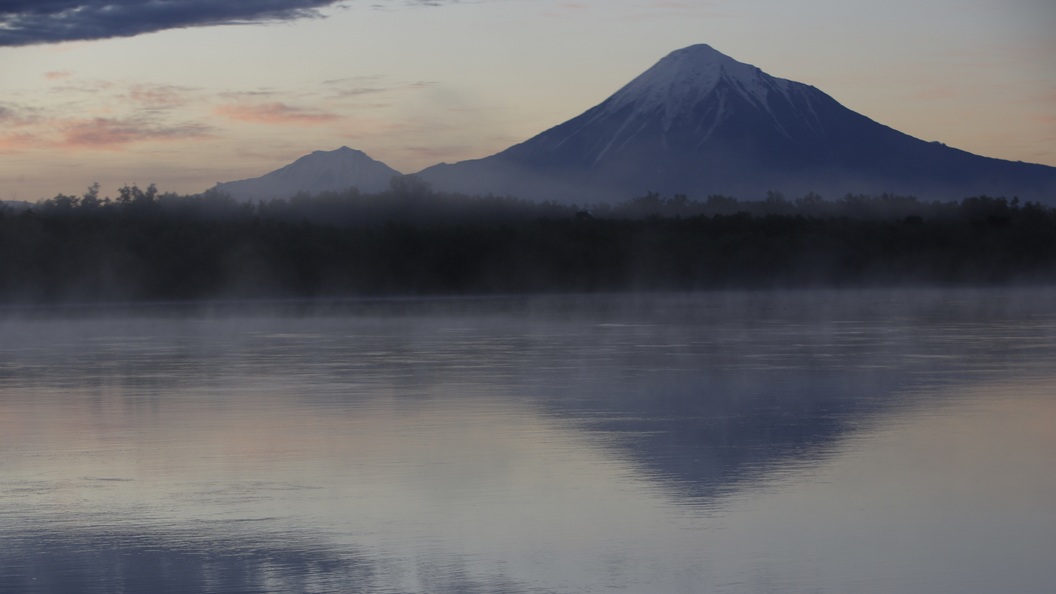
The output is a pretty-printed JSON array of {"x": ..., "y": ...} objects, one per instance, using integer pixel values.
[
  {"x": 16, "y": 143},
  {"x": 107, "y": 133},
  {"x": 274, "y": 113},
  {"x": 58, "y": 74}
]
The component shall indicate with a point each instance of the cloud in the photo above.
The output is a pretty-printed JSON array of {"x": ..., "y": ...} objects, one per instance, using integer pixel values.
[
  {"x": 360, "y": 91},
  {"x": 16, "y": 143},
  {"x": 58, "y": 74},
  {"x": 274, "y": 113},
  {"x": 29, "y": 22},
  {"x": 16, "y": 117},
  {"x": 159, "y": 96},
  {"x": 31, "y": 133},
  {"x": 83, "y": 87},
  {"x": 33, "y": 22},
  {"x": 113, "y": 133},
  {"x": 352, "y": 88}
]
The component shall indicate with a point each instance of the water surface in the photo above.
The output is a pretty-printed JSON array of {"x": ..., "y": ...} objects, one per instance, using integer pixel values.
[{"x": 871, "y": 441}]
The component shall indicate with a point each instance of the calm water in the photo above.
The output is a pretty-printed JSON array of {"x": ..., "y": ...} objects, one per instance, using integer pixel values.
[{"x": 790, "y": 442}]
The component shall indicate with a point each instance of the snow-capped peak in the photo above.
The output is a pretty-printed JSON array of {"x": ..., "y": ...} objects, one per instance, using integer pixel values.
[{"x": 686, "y": 76}]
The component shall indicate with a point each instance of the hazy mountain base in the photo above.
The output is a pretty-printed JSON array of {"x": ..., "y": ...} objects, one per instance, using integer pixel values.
[
  {"x": 411, "y": 241},
  {"x": 652, "y": 169}
]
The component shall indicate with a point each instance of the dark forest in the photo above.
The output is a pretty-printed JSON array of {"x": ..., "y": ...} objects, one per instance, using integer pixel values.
[{"x": 409, "y": 240}]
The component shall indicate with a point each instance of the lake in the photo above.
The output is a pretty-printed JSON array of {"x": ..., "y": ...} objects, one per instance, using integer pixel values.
[{"x": 835, "y": 441}]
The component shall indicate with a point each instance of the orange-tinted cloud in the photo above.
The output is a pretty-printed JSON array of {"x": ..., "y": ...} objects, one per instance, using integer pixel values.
[
  {"x": 58, "y": 74},
  {"x": 274, "y": 113},
  {"x": 108, "y": 133},
  {"x": 139, "y": 113},
  {"x": 16, "y": 143},
  {"x": 16, "y": 139}
]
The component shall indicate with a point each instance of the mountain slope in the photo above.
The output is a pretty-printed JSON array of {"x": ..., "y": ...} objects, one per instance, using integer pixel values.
[
  {"x": 701, "y": 123},
  {"x": 320, "y": 171}
]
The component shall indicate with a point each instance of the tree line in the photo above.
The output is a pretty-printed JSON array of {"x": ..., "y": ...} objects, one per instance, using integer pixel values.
[{"x": 144, "y": 244}]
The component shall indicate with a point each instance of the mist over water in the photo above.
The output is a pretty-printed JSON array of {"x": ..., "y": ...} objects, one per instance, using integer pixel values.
[{"x": 826, "y": 441}]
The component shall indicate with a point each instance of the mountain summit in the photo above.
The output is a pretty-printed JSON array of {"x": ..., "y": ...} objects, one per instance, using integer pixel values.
[
  {"x": 701, "y": 123},
  {"x": 684, "y": 79},
  {"x": 320, "y": 171}
]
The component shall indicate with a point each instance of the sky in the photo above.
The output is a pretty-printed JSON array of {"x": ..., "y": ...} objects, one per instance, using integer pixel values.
[{"x": 188, "y": 93}]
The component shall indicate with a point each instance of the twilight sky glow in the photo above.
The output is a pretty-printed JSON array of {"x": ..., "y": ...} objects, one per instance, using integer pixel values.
[{"x": 186, "y": 93}]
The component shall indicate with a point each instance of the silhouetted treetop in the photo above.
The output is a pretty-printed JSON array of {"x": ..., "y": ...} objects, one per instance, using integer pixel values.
[{"x": 411, "y": 240}]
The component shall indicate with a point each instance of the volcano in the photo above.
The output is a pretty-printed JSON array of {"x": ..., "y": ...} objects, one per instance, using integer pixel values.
[
  {"x": 320, "y": 171},
  {"x": 701, "y": 123}
]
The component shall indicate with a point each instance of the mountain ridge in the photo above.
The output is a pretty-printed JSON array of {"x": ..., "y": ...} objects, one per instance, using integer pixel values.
[
  {"x": 316, "y": 172},
  {"x": 697, "y": 123},
  {"x": 701, "y": 123}
]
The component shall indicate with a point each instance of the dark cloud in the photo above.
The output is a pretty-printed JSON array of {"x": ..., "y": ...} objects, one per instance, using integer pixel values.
[{"x": 28, "y": 22}]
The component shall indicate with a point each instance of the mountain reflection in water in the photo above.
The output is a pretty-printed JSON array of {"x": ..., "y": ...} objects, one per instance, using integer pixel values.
[{"x": 528, "y": 445}]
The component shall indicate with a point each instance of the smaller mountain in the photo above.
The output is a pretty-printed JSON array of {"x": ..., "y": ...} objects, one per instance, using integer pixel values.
[
  {"x": 320, "y": 171},
  {"x": 16, "y": 205}
]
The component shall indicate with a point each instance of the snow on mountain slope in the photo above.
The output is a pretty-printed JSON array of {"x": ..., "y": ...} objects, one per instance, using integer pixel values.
[
  {"x": 686, "y": 77},
  {"x": 697, "y": 123},
  {"x": 700, "y": 123}
]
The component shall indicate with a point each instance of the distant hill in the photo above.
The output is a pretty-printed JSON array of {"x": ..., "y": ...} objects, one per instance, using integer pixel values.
[
  {"x": 16, "y": 205},
  {"x": 321, "y": 171},
  {"x": 701, "y": 123}
]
